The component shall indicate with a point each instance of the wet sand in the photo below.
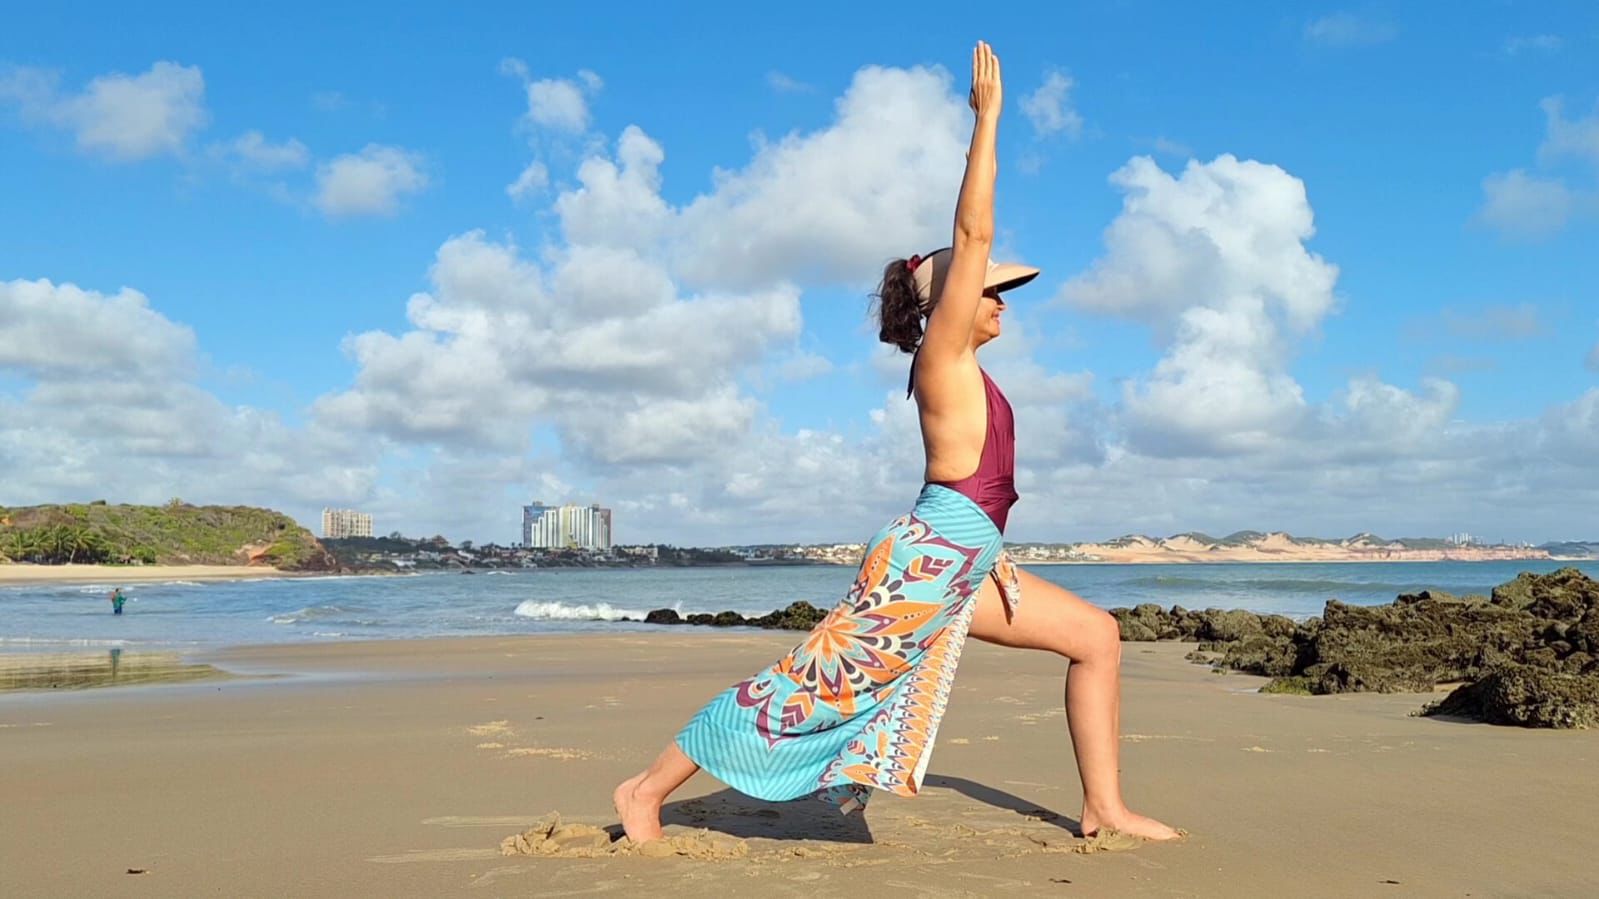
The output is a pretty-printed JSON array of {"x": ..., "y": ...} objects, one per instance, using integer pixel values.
[
  {"x": 400, "y": 769},
  {"x": 12, "y": 574}
]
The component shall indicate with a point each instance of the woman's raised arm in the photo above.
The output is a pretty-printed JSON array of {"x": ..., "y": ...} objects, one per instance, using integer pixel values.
[{"x": 949, "y": 328}]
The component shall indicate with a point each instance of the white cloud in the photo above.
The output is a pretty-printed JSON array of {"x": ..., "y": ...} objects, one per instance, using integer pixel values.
[
  {"x": 1169, "y": 147},
  {"x": 556, "y": 104},
  {"x": 1215, "y": 262},
  {"x": 834, "y": 204},
  {"x": 1345, "y": 29},
  {"x": 1222, "y": 229},
  {"x": 786, "y": 84},
  {"x": 1538, "y": 43},
  {"x": 49, "y": 330},
  {"x": 1565, "y": 137},
  {"x": 1496, "y": 322},
  {"x": 371, "y": 182},
  {"x": 122, "y": 117},
  {"x": 534, "y": 178},
  {"x": 622, "y": 360},
  {"x": 252, "y": 150},
  {"x": 801, "y": 366},
  {"x": 1528, "y": 206},
  {"x": 1050, "y": 109},
  {"x": 108, "y": 407}
]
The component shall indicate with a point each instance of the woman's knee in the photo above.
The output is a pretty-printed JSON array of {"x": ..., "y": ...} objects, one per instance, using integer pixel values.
[{"x": 1100, "y": 639}]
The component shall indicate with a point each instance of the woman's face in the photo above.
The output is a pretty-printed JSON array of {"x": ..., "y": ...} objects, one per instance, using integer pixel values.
[{"x": 986, "y": 327}]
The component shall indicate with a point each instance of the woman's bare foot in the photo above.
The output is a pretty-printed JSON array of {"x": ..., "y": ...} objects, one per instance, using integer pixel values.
[
  {"x": 1128, "y": 823},
  {"x": 641, "y": 817}
]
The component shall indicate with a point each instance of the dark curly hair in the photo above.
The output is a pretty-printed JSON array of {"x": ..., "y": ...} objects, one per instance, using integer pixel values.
[{"x": 899, "y": 313}]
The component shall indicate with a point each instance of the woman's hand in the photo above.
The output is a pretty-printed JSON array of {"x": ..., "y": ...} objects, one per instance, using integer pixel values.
[{"x": 987, "y": 93}]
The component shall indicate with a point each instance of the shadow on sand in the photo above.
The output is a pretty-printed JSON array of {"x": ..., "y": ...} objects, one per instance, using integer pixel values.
[{"x": 731, "y": 812}]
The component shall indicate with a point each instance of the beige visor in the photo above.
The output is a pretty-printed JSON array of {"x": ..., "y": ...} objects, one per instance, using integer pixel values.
[{"x": 930, "y": 273}]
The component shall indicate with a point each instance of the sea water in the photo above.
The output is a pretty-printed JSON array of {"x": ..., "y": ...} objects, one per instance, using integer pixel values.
[{"x": 186, "y": 615}]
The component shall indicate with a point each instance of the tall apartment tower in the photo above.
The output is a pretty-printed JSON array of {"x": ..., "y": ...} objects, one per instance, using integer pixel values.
[
  {"x": 340, "y": 523},
  {"x": 568, "y": 526}
]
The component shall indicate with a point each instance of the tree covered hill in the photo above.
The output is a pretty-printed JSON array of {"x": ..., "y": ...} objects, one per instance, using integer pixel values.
[{"x": 174, "y": 534}]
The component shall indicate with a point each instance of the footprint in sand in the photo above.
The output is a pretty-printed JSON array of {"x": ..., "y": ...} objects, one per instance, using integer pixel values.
[
  {"x": 549, "y": 837},
  {"x": 1108, "y": 839}
]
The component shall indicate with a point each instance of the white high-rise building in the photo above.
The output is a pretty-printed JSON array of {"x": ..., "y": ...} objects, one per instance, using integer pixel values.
[
  {"x": 340, "y": 523},
  {"x": 566, "y": 527}
]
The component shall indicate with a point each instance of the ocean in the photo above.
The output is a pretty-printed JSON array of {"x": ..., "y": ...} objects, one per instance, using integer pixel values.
[{"x": 193, "y": 616}]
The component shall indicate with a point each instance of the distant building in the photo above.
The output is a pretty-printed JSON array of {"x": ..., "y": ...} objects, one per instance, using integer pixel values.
[
  {"x": 340, "y": 523},
  {"x": 566, "y": 527}
]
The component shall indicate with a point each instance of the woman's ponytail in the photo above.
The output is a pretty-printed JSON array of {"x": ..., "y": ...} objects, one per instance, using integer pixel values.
[{"x": 899, "y": 312}]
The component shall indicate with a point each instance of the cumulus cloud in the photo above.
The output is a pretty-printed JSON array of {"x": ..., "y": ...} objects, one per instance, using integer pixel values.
[
  {"x": 830, "y": 205},
  {"x": 371, "y": 182},
  {"x": 1346, "y": 29},
  {"x": 534, "y": 178},
  {"x": 1215, "y": 261},
  {"x": 557, "y": 104},
  {"x": 1574, "y": 138},
  {"x": 108, "y": 407},
  {"x": 1517, "y": 204},
  {"x": 623, "y": 359},
  {"x": 118, "y": 116},
  {"x": 1528, "y": 206},
  {"x": 1050, "y": 109},
  {"x": 252, "y": 150},
  {"x": 787, "y": 84}
]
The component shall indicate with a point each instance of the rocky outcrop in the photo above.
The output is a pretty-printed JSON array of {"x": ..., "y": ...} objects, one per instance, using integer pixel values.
[
  {"x": 799, "y": 616},
  {"x": 1528, "y": 655}
]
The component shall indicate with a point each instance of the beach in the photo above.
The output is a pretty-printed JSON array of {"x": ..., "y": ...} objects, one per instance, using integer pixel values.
[
  {"x": 396, "y": 768},
  {"x": 14, "y": 574}
]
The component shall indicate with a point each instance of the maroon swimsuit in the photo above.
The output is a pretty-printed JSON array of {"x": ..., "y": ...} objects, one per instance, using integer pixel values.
[{"x": 993, "y": 485}]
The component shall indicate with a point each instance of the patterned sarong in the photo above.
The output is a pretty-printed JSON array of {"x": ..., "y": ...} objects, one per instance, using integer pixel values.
[{"x": 857, "y": 704}]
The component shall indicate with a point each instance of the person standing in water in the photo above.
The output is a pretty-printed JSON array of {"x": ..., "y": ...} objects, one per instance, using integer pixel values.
[
  {"x": 117, "y": 599},
  {"x": 856, "y": 706}
]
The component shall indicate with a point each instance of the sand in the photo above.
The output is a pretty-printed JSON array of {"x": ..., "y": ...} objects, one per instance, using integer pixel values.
[
  {"x": 411, "y": 768},
  {"x": 12, "y": 574}
]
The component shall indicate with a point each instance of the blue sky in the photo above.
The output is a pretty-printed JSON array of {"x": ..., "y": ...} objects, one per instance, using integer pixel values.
[{"x": 1442, "y": 378}]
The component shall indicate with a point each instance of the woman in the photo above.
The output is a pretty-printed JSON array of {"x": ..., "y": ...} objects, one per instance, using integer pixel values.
[{"x": 857, "y": 704}]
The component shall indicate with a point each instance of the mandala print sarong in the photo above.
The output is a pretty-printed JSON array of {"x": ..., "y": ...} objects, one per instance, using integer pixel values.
[{"x": 857, "y": 704}]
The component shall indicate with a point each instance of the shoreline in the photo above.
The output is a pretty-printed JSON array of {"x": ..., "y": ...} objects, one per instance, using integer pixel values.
[
  {"x": 19, "y": 574},
  {"x": 14, "y": 574}
]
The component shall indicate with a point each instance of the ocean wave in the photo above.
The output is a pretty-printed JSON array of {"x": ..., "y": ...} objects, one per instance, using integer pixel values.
[
  {"x": 1267, "y": 585},
  {"x": 554, "y": 610},
  {"x": 63, "y": 641},
  {"x": 329, "y": 614}
]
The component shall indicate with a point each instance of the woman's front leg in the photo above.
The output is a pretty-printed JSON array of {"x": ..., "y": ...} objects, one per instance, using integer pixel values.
[{"x": 1056, "y": 620}]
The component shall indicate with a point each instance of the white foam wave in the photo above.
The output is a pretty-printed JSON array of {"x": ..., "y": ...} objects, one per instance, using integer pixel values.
[
  {"x": 58, "y": 641},
  {"x": 560, "y": 611}
]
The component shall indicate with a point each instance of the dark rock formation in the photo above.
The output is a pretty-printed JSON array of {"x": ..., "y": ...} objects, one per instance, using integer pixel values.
[
  {"x": 1529, "y": 655},
  {"x": 799, "y": 616}
]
